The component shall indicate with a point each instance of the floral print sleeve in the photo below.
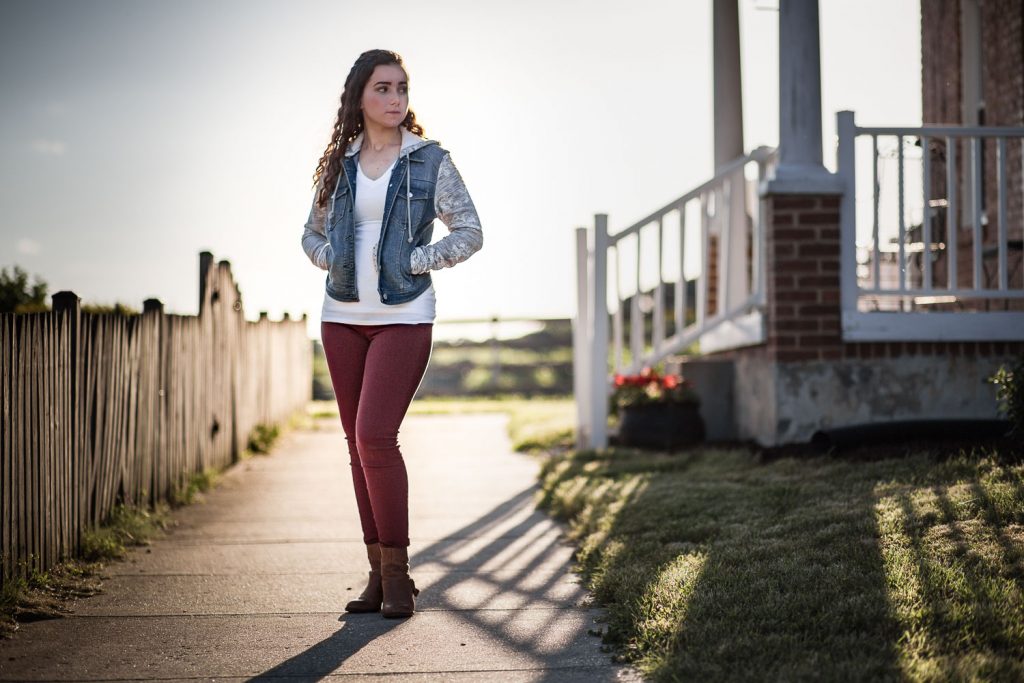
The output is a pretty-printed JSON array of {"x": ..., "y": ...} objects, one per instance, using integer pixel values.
[
  {"x": 314, "y": 238},
  {"x": 454, "y": 207}
]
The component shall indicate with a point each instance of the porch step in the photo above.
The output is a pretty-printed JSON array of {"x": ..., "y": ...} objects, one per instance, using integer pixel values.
[{"x": 712, "y": 379}]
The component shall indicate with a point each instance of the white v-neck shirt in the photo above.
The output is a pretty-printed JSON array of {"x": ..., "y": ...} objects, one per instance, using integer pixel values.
[{"x": 370, "y": 310}]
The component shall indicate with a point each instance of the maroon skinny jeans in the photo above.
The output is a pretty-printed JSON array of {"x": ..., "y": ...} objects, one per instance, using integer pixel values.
[{"x": 375, "y": 370}]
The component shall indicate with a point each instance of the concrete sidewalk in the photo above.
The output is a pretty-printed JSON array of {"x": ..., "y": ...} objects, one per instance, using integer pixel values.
[{"x": 252, "y": 582}]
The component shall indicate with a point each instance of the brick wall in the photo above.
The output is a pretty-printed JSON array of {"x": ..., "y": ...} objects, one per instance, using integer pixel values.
[
  {"x": 711, "y": 282},
  {"x": 1002, "y": 87},
  {"x": 1002, "y": 31},
  {"x": 803, "y": 278},
  {"x": 805, "y": 377},
  {"x": 803, "y": 316},
  {"x": 940, "y": 61}
]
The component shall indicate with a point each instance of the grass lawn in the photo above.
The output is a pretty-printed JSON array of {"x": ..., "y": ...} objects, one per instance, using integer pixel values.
[
  {"x": 534, "y": 423},
  {"x": 714, "y": 566}
]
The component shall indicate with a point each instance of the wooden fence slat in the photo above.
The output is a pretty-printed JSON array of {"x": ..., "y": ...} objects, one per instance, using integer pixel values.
[
  {"x": 27, "y": 462},
  {"x": 35, "y": 488},
  {"x": 94, "y": 418},
  {"x": 100, "y": 409},
  {"x": 142, "y": 417},
  {"x": 7, "y": 350},
  {"x": 118, "y": 462},
  {"x": 112, "y": 393},
  {"x": 46, "y": 434},
  {"x": 110, "y": 456},
  {"x": 131, "y": 407},
  {"x": 83, "y": 417},
  {"x": 53, "y": 508},
  {"x": 161, "y": 488},
  {"x": 5, "y": 420},
  {"x": 61, "y": 393},
  {"x": 20, "y": 428},
  {"x": 71, "y": 443}
]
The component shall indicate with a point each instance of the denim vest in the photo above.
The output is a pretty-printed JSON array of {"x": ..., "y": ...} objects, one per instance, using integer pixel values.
[{"x": 408, "y": 222}]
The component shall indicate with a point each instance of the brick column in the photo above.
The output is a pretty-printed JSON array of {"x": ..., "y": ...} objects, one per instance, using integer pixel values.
[
  {"x": 711, "y": 281},
  {"x": 803, "y": 314}
]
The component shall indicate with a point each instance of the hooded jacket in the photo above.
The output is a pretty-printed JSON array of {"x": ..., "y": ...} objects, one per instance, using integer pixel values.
[{"x": 424, "y": 184}]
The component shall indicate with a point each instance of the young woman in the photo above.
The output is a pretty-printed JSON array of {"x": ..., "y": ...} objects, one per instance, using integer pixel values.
[{"x": 379, "y": 185}]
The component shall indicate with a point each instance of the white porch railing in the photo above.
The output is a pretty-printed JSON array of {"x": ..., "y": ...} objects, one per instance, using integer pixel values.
[
  {"x": 637, "y": 268},
  {"x": 909, "y": 288}
]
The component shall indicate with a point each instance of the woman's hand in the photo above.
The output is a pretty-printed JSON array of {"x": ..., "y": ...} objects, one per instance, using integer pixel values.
[
  {"x": 455, "y": 208},
  {"x": 314, "y": 236}
]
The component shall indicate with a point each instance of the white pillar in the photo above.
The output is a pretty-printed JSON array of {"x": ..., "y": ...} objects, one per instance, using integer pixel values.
[
  {"x": 799, "y": 166},
  {"x": 846, "y": 169},
  {"x": 728, "y": 101},
  {"x": 581, "y": 343},
  {"x": 727, "y": 83},
  {"x": 598, "y": 291}
]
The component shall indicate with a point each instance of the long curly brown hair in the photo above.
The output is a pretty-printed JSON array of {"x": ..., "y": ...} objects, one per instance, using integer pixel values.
[{"x": 350, "y": 118}]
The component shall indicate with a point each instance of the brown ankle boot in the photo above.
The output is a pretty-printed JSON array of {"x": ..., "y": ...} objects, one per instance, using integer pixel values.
[
  {"x": 399, "y": 589},
  {"x": 373, "y": 595}
]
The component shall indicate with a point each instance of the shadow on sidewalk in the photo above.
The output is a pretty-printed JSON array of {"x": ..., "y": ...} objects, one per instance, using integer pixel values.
[{"x": 507, "y": 565}]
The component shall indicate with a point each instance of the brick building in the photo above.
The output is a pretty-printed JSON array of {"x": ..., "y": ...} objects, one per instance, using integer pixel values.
[
  {"x": 815, "y": 307},
  {"x": 972, "y": 74}
]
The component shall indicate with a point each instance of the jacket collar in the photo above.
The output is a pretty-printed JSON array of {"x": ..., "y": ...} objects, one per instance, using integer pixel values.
[{"x": 410, "y": 143}]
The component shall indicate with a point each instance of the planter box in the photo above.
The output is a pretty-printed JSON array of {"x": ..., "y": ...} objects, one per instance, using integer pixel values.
[{"x": 661, "y": 425}]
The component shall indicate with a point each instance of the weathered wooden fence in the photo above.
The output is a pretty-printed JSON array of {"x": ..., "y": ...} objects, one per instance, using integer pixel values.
[{"x": 97, "y": 409}]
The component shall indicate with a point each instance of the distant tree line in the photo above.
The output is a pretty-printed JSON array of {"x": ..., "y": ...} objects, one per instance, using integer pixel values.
[{"x": 18, "y": 296}]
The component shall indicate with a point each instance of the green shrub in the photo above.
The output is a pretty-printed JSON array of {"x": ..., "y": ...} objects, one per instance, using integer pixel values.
[
  {"x": 117, "y": 308},
  {"x": 184, "y": 493},
  {"x": 1010, "y": 394},
  {"x": 262, "y": 438},
  {"x": 125, "y": 526},
  {"x": 18, "y": 296}
]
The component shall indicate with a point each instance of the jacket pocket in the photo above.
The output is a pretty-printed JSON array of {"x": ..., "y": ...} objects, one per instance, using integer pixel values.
[
  {"x": 405, "y": 261},
  {"x": 421, "y": 203},
  {"x": 339, "y": 206}
]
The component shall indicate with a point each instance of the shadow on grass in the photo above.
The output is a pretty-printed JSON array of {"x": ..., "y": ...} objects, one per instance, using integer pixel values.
[
  {"x": 521, "y": 600},
  {"x": 961, "y": 606},
  {"x": 718, "y": 567},
  {"x": 498, "y": 599}
]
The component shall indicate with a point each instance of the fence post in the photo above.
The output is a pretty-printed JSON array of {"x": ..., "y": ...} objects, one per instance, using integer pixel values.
[
  {"x": 68, "y": 303},
  {"x": 495, "y": 354},
  {"x": 846, "y": 169},
  {"x": 205, "y": 264},
  {"x": 598, "y": 315},
  {"x": 581, "y": 350},
  {"x": 143, "y": 383}
]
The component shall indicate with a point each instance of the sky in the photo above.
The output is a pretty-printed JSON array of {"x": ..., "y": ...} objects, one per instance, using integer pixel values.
[{"x": 135, "y": 134}]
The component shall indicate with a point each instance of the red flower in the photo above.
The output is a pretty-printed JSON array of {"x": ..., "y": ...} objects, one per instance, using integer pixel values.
[{"x": 650, "y": 387}]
